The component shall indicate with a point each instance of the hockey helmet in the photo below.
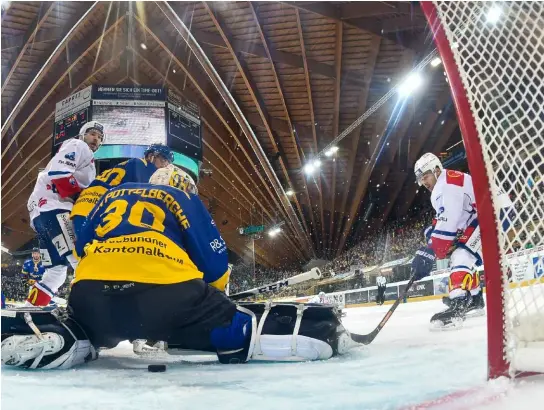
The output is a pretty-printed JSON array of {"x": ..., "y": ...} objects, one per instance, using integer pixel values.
[
  {"x": 175, "y": 177},
  {"x": 427, "y": 163},
  {"x": 92, "y": 125},
  {"x": 160, "y": 149}
]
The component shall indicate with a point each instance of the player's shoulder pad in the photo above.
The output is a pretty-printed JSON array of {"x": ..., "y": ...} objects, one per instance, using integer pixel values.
[{"x": 455, "y": 177}]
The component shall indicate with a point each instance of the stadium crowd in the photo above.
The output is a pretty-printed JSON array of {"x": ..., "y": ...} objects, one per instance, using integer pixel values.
[{"x": 398, "y": 239}]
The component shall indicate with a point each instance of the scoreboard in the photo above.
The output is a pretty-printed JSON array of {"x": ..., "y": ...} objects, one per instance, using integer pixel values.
[
  {"x": 134, "y": 117},
  {"x": 70, "y": 115},
  {"x": 183, "y": 126}
]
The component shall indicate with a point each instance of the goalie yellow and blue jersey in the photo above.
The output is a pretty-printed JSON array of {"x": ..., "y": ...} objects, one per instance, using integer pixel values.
[
  {"x": 151, "y": 234},
  {"x": 133, "y": 170}
]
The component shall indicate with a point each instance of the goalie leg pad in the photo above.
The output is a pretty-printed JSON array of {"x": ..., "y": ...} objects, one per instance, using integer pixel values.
[
  {"x": 43, "y": 339},
  {"x": 288, "y": 332}
]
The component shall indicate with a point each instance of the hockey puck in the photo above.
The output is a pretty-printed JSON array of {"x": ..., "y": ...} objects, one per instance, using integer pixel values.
[{"x": 156, "y": 368}]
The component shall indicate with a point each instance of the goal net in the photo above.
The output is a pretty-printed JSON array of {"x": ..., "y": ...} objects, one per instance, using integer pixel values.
[{"x": 493, "y": 56}]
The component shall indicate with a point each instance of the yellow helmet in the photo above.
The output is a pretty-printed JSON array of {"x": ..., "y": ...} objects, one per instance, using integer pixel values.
[{"x": 175, "y": 177}]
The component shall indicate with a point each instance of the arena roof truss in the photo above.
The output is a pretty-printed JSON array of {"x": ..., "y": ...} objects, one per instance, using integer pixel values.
[{"x": 276, "y": 82}]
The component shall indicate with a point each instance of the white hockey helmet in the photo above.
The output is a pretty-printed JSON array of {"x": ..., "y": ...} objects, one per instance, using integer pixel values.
[
  {"x": 321, "y": 293},
  {"x": 92, "y": 125},
  {"x": 175, "y": 177},
  {"x": 427, "y": 163}
]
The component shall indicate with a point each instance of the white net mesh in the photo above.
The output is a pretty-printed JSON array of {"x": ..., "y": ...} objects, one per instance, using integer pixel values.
[{"x": 498, "y": 49}]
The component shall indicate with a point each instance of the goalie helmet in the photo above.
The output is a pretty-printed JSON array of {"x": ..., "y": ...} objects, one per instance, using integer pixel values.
[
  {"x": 175, "y": 177},
  {"x": 92, "y": 125},
  {"x": 427, "y": 163}
]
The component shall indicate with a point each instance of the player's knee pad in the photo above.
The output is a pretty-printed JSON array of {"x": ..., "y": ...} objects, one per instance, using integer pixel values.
[
  {"x": 43, "y": 339},
  {"x": 463, "y": 279},
  {"x": 285, "y": 332}
]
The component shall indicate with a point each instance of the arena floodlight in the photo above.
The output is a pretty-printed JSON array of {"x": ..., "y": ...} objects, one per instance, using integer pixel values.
[
  {"x": 331, "y": 151},
  {"x": 436, "y": 62},
  {"x": 412, "y": 82},
  {"x": 289, "y": 192},
  {"x": 274, "y": 231}
]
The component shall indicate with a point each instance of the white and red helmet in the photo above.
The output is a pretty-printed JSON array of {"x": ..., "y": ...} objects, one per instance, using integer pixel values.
[
  {"x": 427, "y": 163},
  {"x": 92, "y": 125}
]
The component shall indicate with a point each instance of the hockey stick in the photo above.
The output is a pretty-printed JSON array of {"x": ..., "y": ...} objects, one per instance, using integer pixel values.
[
  {"x": 314, "y": 273},
  {"x": 368, "y": 338}
]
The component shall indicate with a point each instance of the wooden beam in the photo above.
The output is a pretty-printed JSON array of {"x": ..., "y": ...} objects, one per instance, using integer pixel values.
[
  {"x": 336, "y": 127},
  {"x": 43, "y": 152},
  {"x": 314, "y": 134},
  {"x": 253, "y": 91},
  {"x": 16, "y": 123},
  {"x": 422, "y": 131},
  {"x": 333, "y": 12},
  {"x": 435, "y": 146},
  {"x": 256, "y": 49},
  {"x": 210, "y": 121},
  {"x": 279, "y": 85},
  {"x": 35, "y": 26},
  {"x": 200, "y": 83},
  {"x": 357, "y": 9},
  {"x": 42, "y": 36},
  {"x": 356, "y": 134},
  {"x": 392, "y": 132},
  {"x": 30, "y": 111}
]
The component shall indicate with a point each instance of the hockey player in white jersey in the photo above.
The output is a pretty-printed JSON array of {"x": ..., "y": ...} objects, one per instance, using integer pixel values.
[
  {"x": 455, "y": 234},
  {"x": 71, "y": 170}
]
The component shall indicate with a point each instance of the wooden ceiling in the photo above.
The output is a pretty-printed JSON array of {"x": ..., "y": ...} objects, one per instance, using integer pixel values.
[{"x": 300, "y": 72}]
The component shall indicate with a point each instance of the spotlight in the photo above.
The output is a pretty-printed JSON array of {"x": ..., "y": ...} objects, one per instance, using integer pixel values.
[
  {"x": 143, "y": 46},
  {"x": 290, "y": 192},
  {"x": 331, "y": 151},
  {"x": 410, "y": 84},
  {"x": 436, "y": 62}
]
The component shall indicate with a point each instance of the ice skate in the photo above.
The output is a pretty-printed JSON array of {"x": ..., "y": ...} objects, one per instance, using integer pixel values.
[
  {"x": 454, "y": 316},
  {"x": 476, "y": 307}
]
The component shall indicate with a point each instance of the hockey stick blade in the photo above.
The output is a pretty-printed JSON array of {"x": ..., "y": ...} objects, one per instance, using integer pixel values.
[{"x": 368, "y": 338}]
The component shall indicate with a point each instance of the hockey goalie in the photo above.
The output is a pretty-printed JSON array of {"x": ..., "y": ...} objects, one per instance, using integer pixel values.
[
  {"x": 154, "y": 267},
  {"x": 455, "y": 234}
]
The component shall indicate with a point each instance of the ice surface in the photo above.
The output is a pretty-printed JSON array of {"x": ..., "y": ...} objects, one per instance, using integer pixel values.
[{"x": 407, "y": 366}]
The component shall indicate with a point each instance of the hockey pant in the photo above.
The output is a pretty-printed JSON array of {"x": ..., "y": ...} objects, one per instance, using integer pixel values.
[
  {"x": 56, "y": 238},
  {"x": 188, "y": 315},
  {"x": 463, "y": 262}
]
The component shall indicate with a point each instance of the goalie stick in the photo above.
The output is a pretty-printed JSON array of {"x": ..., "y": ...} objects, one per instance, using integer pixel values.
[
  {"x": 272, "y": 287},
  {"x": 368, "y": 338}
]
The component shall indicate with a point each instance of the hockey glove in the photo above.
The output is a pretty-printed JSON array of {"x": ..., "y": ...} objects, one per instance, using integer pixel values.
[{"x": 423, "y": 262}]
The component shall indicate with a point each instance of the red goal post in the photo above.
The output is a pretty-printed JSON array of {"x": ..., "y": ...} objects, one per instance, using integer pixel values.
[{"x": 492, "y": 53}]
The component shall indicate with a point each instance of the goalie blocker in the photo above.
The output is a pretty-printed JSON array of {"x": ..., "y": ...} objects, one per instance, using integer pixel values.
[{"x": 188, "y": 315}]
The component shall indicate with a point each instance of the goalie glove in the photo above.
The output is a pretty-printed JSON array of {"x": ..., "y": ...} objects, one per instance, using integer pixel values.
[{"x": 423, "y": 262}]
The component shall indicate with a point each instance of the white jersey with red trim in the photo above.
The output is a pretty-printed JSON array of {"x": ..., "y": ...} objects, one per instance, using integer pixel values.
[
  {"x": 69, "y": 171},
  {"x": 455, "y": 205}
]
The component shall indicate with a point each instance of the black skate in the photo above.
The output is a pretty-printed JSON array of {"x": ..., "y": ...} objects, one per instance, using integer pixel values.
[
  {"x": 446, "y": 300},
  {"x": 454, "y": 316},
  {"x": 476, "y": 306}
]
